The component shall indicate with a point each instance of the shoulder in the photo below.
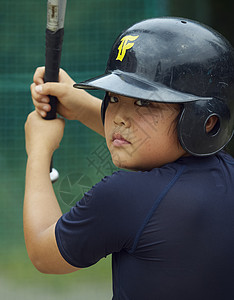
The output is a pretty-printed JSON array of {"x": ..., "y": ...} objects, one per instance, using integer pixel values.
[
  {"x": 128, "y": 181},
  {"x": 118, "y": 186},
  {"x": 125, "y": 187}
]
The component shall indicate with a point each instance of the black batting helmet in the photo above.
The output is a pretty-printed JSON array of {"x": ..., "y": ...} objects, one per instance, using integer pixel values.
[{"x": 176, "y": 60}]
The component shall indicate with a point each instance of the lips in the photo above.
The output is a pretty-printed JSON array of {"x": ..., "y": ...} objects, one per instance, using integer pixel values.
[{"x": 118, "y": 140}]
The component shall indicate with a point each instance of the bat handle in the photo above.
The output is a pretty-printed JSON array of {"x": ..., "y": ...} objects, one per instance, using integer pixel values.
[{"x": 54, "y": 42}]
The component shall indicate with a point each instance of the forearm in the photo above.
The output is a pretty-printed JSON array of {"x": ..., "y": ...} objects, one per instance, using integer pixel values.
[
  {"x": 89, "y": 111},
  {"x": 41, "y": 209}
]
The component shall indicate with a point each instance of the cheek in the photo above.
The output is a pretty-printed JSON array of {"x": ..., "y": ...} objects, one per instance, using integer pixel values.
[{"x": 161, "y": 138}]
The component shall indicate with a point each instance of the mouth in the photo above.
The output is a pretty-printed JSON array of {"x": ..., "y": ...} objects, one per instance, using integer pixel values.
[{"x": 118, "y": 140}]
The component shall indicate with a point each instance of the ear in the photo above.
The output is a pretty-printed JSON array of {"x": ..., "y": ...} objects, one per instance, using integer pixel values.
[
  {"x": 204, "y": 127},
  {"x": 212, "y": 125}
]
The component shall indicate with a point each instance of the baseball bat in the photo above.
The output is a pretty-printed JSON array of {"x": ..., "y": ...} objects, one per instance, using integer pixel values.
[{"x": 54, "y": 40}]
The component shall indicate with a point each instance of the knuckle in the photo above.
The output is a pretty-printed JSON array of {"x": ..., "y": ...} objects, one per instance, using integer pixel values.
[
  {"x": 35, "y": 103},
  {"x": 32, "y": 86}
]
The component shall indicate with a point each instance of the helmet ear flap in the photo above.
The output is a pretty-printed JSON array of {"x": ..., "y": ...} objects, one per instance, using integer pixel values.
[
  {"x": 105, "y": 103},
  {"x": 192, "y": 132}
]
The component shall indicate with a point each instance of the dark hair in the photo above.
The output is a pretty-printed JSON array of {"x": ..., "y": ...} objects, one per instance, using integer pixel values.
[{"x": 177, "y": 118}]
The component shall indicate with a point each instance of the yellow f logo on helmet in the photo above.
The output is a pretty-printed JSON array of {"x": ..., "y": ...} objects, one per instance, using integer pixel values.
[{"x": 125, "y": 45}]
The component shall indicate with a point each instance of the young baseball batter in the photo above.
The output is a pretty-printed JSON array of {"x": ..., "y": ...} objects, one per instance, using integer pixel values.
[{"x": 167, "y": 114}]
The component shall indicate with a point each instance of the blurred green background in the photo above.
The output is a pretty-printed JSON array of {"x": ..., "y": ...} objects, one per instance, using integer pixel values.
[{"x": 91, "y": 27}]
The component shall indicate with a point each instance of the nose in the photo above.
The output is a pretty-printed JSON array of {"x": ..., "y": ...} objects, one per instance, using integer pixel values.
[
  {"x": 122, "y": 118},
  {"x": 121, "y": 122}
]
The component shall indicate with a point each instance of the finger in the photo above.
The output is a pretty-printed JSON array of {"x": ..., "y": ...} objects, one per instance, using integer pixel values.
[
  {"x": 42, "y": 106},
  {"x": 42, "y": 113},
  {"x": 36, "y": 97},
  {"x": 40, "y": 99},
  {"x": 39, "y": 75},
  {"x": 50, "y": 88}
]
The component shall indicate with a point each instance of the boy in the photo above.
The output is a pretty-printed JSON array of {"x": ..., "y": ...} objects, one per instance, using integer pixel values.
[{"x": 167, "y": 113}]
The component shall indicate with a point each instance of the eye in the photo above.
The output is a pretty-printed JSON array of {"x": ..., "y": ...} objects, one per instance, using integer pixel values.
[
  {"x": 144, "y": 103},
  {"x": 113, "y": 99}
]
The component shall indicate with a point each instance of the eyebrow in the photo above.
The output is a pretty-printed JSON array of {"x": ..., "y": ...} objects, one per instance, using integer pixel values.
[{"x": 112, "y": 94}]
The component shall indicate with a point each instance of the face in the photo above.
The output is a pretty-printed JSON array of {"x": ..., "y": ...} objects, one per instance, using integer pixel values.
[{"x": 140, "y": 134}]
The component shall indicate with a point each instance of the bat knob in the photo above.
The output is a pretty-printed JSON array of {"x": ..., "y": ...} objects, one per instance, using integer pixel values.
[{"x": 54, "y": 175}]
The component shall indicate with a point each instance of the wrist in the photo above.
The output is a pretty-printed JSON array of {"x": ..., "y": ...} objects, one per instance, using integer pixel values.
[
  {"x": 39, "y": 166},
  {"x": 40, "y": 156}
]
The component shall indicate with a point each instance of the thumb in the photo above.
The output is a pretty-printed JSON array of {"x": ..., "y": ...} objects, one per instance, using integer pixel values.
[{"x": 50, "y": 88}]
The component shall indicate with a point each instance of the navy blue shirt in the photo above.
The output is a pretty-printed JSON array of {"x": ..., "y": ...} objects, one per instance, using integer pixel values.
[{"x": 170, "y": 230}]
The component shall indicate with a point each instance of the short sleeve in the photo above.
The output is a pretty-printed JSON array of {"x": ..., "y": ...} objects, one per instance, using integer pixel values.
[{"x": 98, "y": 224}]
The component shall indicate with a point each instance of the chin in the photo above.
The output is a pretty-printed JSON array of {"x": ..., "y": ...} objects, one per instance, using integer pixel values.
[
  {"x": 119, "y": 164},
  {"x": 128, "y": 166}
]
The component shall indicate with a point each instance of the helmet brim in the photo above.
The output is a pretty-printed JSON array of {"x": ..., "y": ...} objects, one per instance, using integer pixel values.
[{"x": 129, "y": 85}]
